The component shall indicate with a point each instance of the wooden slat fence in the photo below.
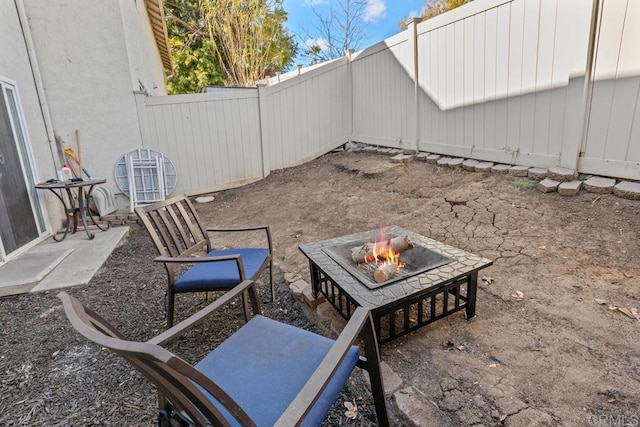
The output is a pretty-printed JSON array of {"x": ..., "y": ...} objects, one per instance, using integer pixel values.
[{"x": 497, "y": 80}]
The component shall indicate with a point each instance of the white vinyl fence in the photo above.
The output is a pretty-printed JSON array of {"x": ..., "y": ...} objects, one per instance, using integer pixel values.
[{"x": 529, "y": 82}]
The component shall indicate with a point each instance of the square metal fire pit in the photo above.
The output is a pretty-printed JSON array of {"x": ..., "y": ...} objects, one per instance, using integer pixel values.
[
  {"x": 416, "y": 260},
  {"x": 444, "y": 282}
]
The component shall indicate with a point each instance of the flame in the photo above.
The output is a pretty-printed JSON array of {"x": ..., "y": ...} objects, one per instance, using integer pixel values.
[{"x": 383, "y": 253}]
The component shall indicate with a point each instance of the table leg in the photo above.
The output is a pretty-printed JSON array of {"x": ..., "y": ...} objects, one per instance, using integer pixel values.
[
  {"x": 472, "y": 291},
  {"x": 67, "y": 211},
  {"x": 315, "y": 279},
  {"x": 82, "y": 207}
]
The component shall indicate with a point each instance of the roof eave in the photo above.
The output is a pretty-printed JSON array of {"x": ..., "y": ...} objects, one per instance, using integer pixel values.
[{"x": 155, "y": 10}]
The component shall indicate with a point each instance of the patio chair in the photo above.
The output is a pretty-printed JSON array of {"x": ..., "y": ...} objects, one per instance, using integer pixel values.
[
  {"x": 267, "y": 373},
  {"x": 179, "y": 234}
]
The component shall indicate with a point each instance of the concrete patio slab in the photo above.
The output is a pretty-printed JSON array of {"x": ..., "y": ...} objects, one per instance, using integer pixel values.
[
  {"x": 71, "y": 262},
  {"x": 32, "y": 267}
]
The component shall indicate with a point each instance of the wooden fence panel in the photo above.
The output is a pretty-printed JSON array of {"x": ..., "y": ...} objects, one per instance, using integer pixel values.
[
  {"x": 213, "y": 139},
  {"x": 486, "y": 74},
  {"x": 612, "y": 140},
  {"x": 306, "y": 116},
  {"x": 383, "y": 93}
]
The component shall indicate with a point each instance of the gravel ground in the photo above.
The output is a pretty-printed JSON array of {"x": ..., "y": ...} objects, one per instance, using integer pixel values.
[{"x": 50, "y": 375}]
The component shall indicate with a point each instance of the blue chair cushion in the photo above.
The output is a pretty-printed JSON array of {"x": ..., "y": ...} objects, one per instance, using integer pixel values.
[
  {"x": 221, "y": 274},
  {"x": 265, "y": 364}
]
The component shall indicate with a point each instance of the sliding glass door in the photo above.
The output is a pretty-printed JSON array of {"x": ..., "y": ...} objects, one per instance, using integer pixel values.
[{"x": 21, "y": 219}]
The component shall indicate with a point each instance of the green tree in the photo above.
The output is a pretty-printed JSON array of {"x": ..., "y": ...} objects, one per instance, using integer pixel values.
[
  {"x": 249, "y": 39},
  {"x": 433, "y": 8},
  {"x": 195, "y": 65},
  {"x": 226, "y": 42}
]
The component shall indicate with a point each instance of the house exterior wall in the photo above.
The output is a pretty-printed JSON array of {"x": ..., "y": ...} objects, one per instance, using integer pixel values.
[
  {"x": 93, "y": 55},
  {"x": 15, "y": 66},
  {"x": 145, "y": 65}
]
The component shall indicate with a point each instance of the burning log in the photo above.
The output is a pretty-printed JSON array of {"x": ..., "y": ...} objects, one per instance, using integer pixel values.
[
  {"x": 366, "y": 252},
  {"x": 385, "y": 271}
]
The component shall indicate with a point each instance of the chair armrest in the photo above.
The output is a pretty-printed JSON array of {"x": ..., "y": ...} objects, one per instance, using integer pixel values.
[
  {"x": 233, "y": 229},
  {"x": 195, "y": 319},
  {"x": 314, "y": 387},
  {"x": 191, "y": 260},
  {"x": 253, "y": 228}
]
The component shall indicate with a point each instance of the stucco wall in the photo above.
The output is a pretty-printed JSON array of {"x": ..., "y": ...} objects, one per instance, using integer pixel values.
[
  {"x": 15, "y": 66},
  {"x": 145, "y": 65},
  {"x": 87, "y": 75}
]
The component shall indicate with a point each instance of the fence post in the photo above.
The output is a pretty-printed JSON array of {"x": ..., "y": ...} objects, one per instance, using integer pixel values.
[
  {"x": 347, "y": 54},
  {"x": 573, "y": 156},
  {"x": 264, "y": 143},
  {"x": 412, "y": 28}
]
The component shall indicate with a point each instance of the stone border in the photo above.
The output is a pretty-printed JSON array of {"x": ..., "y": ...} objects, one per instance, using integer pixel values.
[{"x": 553, "y": 179}]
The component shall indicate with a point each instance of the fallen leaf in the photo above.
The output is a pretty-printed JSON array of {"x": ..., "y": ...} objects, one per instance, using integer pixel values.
[
  {"x": 611, "y": 400},
  {"x": 600, "y": 301},
  {"x": 55, "y": 353},
  {"x": 352, "y": 410},
  {"x": 131, "y": 405},
  {"x": 626, "y": 311},
  {"x": 460, "y": 347},
  {"x": 519, "y": 296},
  {"x": 493, "y": 365},
  {"x": 612, "y": 307},
  {"x": 627, "y": 275}
]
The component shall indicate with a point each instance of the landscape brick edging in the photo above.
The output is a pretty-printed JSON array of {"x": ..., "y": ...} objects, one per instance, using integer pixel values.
[{"x": 553, "y": 179}]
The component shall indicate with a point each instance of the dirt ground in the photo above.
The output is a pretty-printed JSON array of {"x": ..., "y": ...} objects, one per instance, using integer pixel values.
[{"x": 541, "y": 350}]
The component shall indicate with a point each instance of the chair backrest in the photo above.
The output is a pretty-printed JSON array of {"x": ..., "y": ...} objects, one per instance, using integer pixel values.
[
  {"x": 174, "y": 378},
  {"x": 174, "y": 227}
]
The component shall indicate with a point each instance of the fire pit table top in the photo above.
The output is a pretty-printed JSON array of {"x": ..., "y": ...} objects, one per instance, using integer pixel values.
[{"x": 461, "y": 264}]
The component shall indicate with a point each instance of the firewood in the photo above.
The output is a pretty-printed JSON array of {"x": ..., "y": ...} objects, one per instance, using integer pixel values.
[
  {"x": 364, "y": 252},
  {"x": 385, "y": 271},
  {"x": 400, "y": 243}
]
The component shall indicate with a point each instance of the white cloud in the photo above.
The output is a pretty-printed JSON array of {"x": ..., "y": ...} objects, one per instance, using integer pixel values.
[
  {"x": 312, "y": 3},
  {"x": 320, "y": 42},
  {"x": 375, "y": 10}
]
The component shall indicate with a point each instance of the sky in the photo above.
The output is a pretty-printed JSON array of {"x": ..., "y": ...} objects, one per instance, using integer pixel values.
[{"x": 382, "y": 18}]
